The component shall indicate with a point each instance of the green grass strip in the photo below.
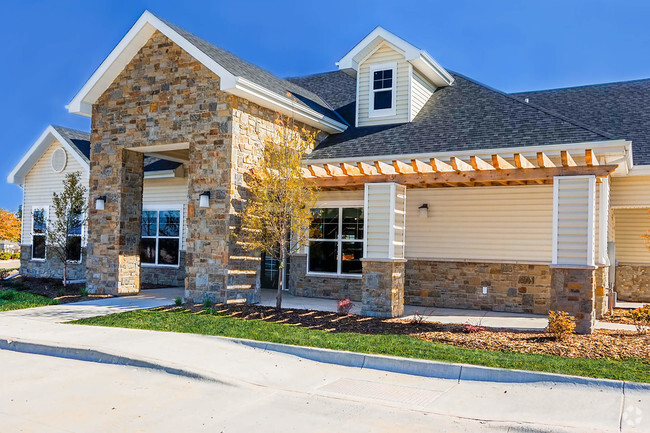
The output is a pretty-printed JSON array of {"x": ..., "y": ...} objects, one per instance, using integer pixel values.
[
  {"x": 637, "y": 370},
  {"x": 15, "y": 300}
]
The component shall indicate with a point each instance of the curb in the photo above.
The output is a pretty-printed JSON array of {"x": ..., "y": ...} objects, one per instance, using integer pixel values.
[{"x": 393, "y": 364}]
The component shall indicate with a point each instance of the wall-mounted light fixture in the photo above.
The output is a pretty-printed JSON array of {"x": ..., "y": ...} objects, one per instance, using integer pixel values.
[
  {"x": 424, "y": 210},
  {"x": 100, "y": 202},
  {"x": 204, "y": 199}
]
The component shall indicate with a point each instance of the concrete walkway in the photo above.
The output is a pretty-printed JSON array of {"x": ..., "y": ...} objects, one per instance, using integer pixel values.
[
  {"x": 493, "y": 319},
  {"x": 9, "y": 264}
]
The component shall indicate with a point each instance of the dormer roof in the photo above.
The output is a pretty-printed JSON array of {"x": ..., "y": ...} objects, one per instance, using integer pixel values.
[{"x": 420, "y": 59}]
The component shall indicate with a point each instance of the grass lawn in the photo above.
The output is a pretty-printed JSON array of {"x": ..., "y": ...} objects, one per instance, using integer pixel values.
[
  {"x": 212, "y": 323},
  {"x": 15, "y": 300}
]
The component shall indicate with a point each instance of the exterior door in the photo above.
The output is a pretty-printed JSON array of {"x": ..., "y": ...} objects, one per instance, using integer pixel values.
[{"x": 270, "y": 271}]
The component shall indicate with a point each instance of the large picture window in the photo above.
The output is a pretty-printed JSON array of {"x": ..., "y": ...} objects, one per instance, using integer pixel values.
[
  {"x": 160, "y": 237},
  {"x": 382, "y": 90},
  {"x": 39, "y": 232},
  {"x": 336, "y": 241}
]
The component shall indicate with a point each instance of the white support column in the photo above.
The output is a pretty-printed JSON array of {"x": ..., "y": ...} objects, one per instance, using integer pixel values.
[
  {"x": 385, "y": 218},
  {"x": 603, "y": 222}
]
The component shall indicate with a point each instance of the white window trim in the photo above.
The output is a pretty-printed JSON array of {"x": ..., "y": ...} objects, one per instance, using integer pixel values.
[
  {"x": 163, "y": 207},
  {"x": 339, "y": 240},
  {"x": 46, "y": 208},
  {"x": 371, "y": 91}
]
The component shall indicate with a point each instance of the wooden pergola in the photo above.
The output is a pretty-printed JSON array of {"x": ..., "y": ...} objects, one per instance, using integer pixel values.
[{"x": 513, "y": 169}]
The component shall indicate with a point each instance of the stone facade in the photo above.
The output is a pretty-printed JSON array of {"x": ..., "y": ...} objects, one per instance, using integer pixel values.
[
  {"x": 573, "y": 290},
  {"x": 521, "y": 288},
  {"x": 382, "y": 294},
  {"x": 601, "y": 298},
  {"x": 301, "y": 284},
  {"x": 165, "y": 276},
  {"x": 633, "y": 282},
  {"x": 50, "y": 268}
]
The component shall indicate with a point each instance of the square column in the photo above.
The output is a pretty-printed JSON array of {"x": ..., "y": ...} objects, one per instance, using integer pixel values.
[
  {"x": 113, "y": 261},
  {"x": 382, "y": 294}
]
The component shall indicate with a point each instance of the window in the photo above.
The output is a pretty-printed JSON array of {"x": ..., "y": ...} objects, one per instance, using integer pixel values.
[
  {"x": 39, "y": 232},
  {"x": 160, "y": 237},
  {"x": 382, "y": 90},
  {"x": 73, "y": 250},
  {"x": 336, "y": 241}
]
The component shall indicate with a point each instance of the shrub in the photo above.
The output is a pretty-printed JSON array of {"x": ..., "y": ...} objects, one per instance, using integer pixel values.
[
  {"x": 641, "y": 318},
  {"x": 178, "y": 302},
  {"x": 471, "y": 329},
  {"x": 83, "y": 292},
  {"x": 344, "y": 306},
  {"x": 417, "y": 318},
  {"x": 5, "y": 256},
  {"x": 560, "y": 324},
  {"x": 16, "y": 256},
  {"x": 207, "y": 302}
]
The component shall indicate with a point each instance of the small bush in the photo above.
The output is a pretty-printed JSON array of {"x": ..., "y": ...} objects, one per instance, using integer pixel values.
[
  {"x": 560, "y": 324},
  {"x": 5, "y": 256},
  {"x": 641, "y": 318},
  {"x": 344, "y": 306},
  {"x": 83, "y": 292},
  {"x": 178, "y": 302},
  {"x": 472, "y": 329},
  {"x": 207, "y": 302},
  {"x": 60, "y": 292},
  {"x": 417, "y": 318},
  {"x": 16, "y": 256}
]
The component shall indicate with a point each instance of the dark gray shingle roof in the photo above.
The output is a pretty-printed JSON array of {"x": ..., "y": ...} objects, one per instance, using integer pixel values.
[
  {"x": 464, "y": 116},
  {"x": 241, "y": 68},
  {"x": 622, "y": 109},
  {"x": 80, "y": 141},
  {"x": 336, "y": 87}
]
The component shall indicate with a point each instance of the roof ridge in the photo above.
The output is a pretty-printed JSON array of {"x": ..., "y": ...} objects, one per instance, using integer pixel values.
[
  {"x": 540, "y": 108},
  {"x": 582, "y": 86}
]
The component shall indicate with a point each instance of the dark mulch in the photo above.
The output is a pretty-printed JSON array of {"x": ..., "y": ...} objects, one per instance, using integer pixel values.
[
  {"x": 51, "y": 288},
  {"x": 600, "y": 344}
]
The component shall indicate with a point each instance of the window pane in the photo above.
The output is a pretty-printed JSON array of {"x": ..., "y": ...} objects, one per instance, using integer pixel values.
[
  {"x": 39, "y": 221},
  {"x": 378, "y": 75},
  {"x": 387, "y": 83},
  {"x": 38, "y": 247},
  {"x": 383, "y": 99},
  {"x": 351, "y": 257},
  {"x": 388, "y": 73},
  {"x": 322, "y": 256},
  {"x": 74, "y": 248},
  {"x": 169, "y": 224},
  {"x": 352, "y": 223},
  {"x": 149, "y": 222},
  {"x": 325, "y": 224},
  {"x": 167, "y": 251},
  {"x": 147, "y": 250},
  {"x": 75, "y": 224}
]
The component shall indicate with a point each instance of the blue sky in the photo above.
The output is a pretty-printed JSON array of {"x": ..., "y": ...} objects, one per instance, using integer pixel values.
[{"x": 52, "y": 47}]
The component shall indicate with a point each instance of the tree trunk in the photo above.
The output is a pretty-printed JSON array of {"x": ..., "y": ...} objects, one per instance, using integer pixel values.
[
  {"x": 65, "y": 274},
  {"x": 278, "y": 298}
]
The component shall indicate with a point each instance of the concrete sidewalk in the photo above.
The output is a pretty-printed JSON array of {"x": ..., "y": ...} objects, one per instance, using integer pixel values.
[{"x": 539, "y": 406}]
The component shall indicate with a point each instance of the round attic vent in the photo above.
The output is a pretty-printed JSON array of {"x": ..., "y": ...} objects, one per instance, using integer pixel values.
[{"x": 59, "y": 160}]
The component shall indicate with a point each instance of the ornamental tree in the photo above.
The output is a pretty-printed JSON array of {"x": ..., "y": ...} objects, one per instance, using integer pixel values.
[
  {"x": 9, "y": 226},
  {"x": 277, "y": 213}
]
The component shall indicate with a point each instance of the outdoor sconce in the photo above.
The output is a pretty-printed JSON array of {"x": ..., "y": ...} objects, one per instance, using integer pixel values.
[
  {"x": 424, "y": 210},
  {"x": 100, "y": 202},
  {"x": 204, "y": 199}
]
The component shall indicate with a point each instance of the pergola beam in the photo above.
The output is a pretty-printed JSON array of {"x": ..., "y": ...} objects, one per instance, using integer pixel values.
[{"x": 567, "y": 159}]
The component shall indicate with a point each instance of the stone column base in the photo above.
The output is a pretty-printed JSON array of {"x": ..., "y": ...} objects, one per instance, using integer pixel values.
[
  {"x": 573, "y": 291},
  {"x": 382, "y": 292}
]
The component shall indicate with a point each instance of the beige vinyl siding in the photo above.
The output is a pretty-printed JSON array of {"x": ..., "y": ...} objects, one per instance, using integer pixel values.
[
  {"x": 631, "y": 224},
  {"x": 630, "y": 191},
  {"x": 487, "y": 223},
  {"x": 573, "y": 229},
  {"x": 170, "y": 191},
  {"x": 378, "y": 219},
  {"x": 384, "y": 54},
  {"x": 421, "y": 91},
  {"x": 41, "y": 182},
  {"x": 399, "y": 225}
]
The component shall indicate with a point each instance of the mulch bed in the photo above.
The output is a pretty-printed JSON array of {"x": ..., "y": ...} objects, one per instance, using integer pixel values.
[
  {"x": 50, "y": 288},
  {"x": 600, "y": 344},
  {"x": 619, "y": 316}
]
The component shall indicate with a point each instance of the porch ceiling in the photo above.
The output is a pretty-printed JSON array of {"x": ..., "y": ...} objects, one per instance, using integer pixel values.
[{"x": 504, "y": 169}]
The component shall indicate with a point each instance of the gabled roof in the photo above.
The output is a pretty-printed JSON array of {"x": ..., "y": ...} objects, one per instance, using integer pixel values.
[
  {"x": 622, "y": 109},
  {"x": 464, "y": 116},
  {"x": 237, "y": 76},
  {"x": 420, "y": 59},
  {"x": 77, "y": 143},
  {"x": 336, "y": 87}
]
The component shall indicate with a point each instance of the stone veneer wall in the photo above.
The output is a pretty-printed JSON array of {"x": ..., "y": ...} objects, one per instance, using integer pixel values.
[
  {"x": 301, "y": 284},
  {"x": 521, "y": 288},
  {"x": 633, "y": 282},
  {"x": 601, "y": 299},
  {"x": 165, "y": 275},
  {"x": 573, "y": 290},
  {"x": 50, "y": 268},
  {"x": 382, "y": 294}
]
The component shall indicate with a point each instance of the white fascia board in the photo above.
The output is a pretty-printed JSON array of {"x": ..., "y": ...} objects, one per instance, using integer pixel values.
[
  {"x": 160, "y": 174},
  {"x": 264, "y": 97},
  {"x": 608, "y": 147},
  {"x": 17, "y": 175}
]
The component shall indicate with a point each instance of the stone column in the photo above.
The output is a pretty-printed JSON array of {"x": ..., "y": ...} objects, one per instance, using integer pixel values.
[
  {"x": 573, "y": 290},
  {"x": 382, "y": 293},
  {"x": 113, "y": 262}
]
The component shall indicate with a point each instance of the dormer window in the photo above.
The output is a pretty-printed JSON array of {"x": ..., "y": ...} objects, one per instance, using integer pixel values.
[{"x": 382, "y": 89}]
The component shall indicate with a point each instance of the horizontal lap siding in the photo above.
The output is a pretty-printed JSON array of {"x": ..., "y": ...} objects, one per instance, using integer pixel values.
[
  {"x": 172, "y": 191},
  {"x": 630, "y": 191},
  {"x": 421, "y": 91},
  {"x": 630, "y": 225},
  {"x": 383, "y": 55},
  {"x": 573, "y": 221},
  {"x": 486, "y": 223},
  {"x": 378, "y": 221},
  {"x": 41, "y": 182}
]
